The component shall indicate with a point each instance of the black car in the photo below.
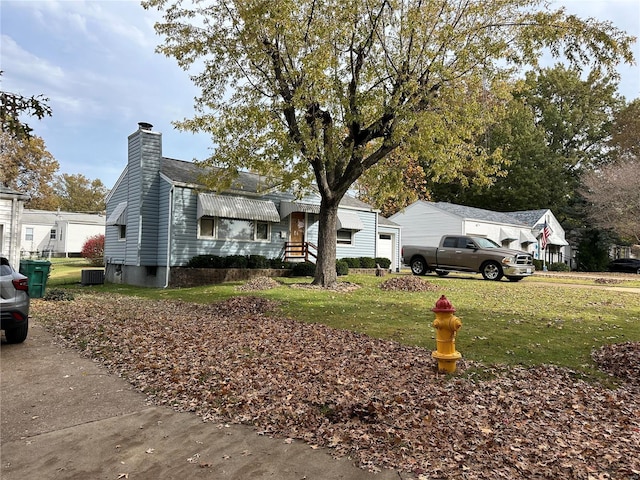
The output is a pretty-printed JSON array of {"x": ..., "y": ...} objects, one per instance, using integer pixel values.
[{"x": 630, "y": 265}]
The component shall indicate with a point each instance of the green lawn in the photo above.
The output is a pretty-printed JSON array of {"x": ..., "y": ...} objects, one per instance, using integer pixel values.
[{"x": 529, "y": 323}]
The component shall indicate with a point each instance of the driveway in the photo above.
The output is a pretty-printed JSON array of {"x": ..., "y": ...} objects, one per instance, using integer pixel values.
[{"x": 65, "y": 417}]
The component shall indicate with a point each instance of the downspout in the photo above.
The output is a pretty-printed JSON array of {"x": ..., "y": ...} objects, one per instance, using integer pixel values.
[{"x": 169, "y": 222}]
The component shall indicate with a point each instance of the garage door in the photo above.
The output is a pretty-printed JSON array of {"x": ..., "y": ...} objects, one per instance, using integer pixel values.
[{"x": 385, "y": 246}]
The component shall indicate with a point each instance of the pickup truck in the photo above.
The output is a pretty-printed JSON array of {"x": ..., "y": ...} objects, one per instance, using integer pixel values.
[{"x": 469, "y": 254}]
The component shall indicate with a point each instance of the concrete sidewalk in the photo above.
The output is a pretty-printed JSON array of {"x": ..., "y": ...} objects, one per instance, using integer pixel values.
[{"x": 64, "y": 417}]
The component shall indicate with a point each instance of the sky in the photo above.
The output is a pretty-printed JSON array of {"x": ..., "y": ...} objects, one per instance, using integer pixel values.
[{"x": 96, "y": 62}]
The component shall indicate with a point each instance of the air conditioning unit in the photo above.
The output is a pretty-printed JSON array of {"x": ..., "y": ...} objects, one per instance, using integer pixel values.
[{"x": 92, "y": 277}]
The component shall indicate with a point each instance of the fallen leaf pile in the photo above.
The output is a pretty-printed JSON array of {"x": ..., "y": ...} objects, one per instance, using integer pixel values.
[
  {"x": 621, "y": 360},
  {"x": 258, "y": 283},
  {"x": 337, "y": 287},
  {"x": 379, "y": 402},
  {"x": 408, "y": 283},
  {"x": 607, "y": 281}
]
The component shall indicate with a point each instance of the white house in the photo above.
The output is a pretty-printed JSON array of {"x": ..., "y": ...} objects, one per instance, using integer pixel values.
[
  {"x": 58, "y": 234},
  {"x": 424, "y": 223},
  {"x": 11, "y": 210}
]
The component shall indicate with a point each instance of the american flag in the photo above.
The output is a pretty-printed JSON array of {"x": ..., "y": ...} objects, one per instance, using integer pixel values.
[{"x": 546, "y": 233}]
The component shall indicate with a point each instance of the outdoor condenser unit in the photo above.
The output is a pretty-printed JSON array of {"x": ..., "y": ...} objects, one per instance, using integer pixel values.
[{"x": 92, "y": 277}]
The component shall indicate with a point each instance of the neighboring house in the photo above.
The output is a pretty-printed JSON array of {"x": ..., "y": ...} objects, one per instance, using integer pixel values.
[
  {"x": 424, "y": 223},
  {"x": 11, "y": 210},
  {"x": 558, "y": 249},
  {"x": 159, "y": 216},
  {"x": 58, "y": 234}
]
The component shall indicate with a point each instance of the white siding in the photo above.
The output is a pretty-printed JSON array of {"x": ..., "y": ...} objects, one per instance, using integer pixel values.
[{"x": 422, "y": 224}]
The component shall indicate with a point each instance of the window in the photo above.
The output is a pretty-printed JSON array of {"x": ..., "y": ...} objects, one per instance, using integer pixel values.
[
  {"x": 29, "y": 234},
  {"x": 234, "y": 229},
  {"x": 52, "y": 234},
  {"x": 122, "y": 232},
  {"x": 206, "y": 227},
  {"x": 345, "y": 237}
]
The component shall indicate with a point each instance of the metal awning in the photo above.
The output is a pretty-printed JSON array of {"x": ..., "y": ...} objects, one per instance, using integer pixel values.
[
  {"x": 236, "y": 207},
  {"x": 287, "y": 207},
  {"x": 119, "y": 215},
  {"x": 556, "y": 240},
  {"x": 527, "y": 237},
  {"x": 349, "y": 221},
  {"x": 508, "y": 234}
]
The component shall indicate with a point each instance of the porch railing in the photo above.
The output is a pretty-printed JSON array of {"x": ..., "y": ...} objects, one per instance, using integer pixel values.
[{"x": 298, "y": 250}]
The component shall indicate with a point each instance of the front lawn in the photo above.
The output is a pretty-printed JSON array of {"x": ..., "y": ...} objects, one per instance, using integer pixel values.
[{"x": 527, "y": 323}]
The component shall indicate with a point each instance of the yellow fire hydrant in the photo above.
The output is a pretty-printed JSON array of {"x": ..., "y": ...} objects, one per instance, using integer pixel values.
[{"x": 446, "y": 325}]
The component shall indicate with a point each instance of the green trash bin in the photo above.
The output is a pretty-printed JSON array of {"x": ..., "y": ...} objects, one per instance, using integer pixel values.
[{"x": 37, "y": 271}]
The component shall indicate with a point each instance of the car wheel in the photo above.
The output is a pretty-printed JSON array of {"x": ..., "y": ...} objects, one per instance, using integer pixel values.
[
  {"x": 638, "y": 271},
  {"x": 492, "y": 271},
  {"x": 514, "y": 279},
  {"x": 418, "y": 266},
  {"x": 17, "y": 335},
  {"x": 442, "y": 273}
]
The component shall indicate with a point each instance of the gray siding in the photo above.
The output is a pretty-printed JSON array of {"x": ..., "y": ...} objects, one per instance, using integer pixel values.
[
  {"x": 115, "y": 250},
  {"x": 132, "y": 182},
  {"x": 164, "y": 216},
  {"x": 149, "y": 196},
  {"x": 364, "y": 241},
  {"x": 185, "y": 243}
]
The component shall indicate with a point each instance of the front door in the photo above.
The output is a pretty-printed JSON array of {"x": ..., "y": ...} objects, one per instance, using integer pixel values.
[{"x": 296, "y": 233}]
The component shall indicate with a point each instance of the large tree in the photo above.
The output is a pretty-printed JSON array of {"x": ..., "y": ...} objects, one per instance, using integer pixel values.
[
  {"x": 319, "y": 92},
  {"x": 76, "y": 193},
  {"x": 556, "y": 126},
  {"x": 28, "y": 167}
]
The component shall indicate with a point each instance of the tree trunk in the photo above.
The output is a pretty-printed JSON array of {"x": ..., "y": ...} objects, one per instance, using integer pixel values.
[{"x": 326, "y": 275}]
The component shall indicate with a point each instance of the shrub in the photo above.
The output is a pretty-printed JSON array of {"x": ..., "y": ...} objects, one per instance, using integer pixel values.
[
  {"x": 206, "y": 261},
  {"x": 93, "y": 250},
  {"x": 367, "y": 262},
  {"x": 303, "y": 269},
  {"x": 559, "y": 267},
  {"x": 236, "y": 261},
  {"x": 342, "y": 267},
  {"x": 352, "y": 262},
  {"x": 258, "y": 261},
  {"x": 278, "y": 263},
  {"x": 383, "y": 262}
]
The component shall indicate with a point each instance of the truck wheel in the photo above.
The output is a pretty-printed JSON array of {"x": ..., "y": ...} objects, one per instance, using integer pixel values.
[
  {"x": 418, "y": 266},
  {"x": 492, "y": 271}
]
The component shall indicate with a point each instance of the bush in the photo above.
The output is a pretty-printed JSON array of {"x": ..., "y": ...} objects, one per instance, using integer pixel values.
[
  {"x": 236, "y": 261},
  {"x": 383, "y": 262},
  {"x": 559, "y": 267},
  {"x": 352, "y": 262},
  {"x": 93, "y": 250},
  {"x": 206, "y": 261},
  {"x": 304, "y": 269},
  {"x": 258, "y": 261},
  {"x": 538, "y": 264},
  {"x": 342, "y": 267},
  {"x": 278, "y": 263},
  {"x": 367, "y": 262}
]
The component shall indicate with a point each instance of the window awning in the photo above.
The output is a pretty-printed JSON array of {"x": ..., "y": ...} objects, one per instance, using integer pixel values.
[
  {"x": 236, "y": 207},
  {"x": 556, "y": 240},
  {"x": 527, "y": 237},
  {"x": 119, "y": 215},
  {"x": 287, "y": 207},
  {"x": 508, "y": 234},
  {"x": 349, "y": 221}
]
